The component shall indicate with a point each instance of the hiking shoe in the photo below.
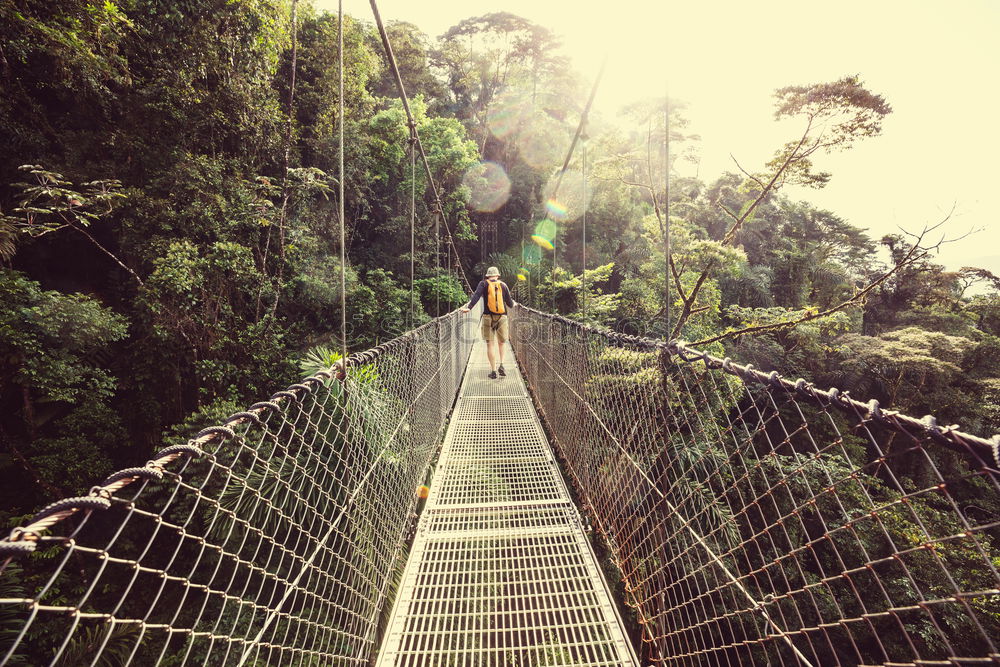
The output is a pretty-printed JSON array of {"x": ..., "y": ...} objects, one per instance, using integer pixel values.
[
  {"x": 492, "y": 375},
  {"x": 501, "y": 371}
]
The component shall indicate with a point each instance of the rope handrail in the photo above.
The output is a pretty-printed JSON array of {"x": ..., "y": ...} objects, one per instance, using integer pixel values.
[
  {"x": 271, "y": 535},
  {"x": 757, "y": 520},
  {"x": 99, "y": 495},
  {"x": 987, "y": 448},
  {"x": 749, "y": 521}
]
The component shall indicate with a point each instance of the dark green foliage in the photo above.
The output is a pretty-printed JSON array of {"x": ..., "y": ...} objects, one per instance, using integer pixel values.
[
  {"x": 178, "y": 180},
  {"x": 11, "y": 620},
  {"x": 114, "y": 643},
  {"x": 442, "y": 292},
  {"x": 57, "y": 391}
]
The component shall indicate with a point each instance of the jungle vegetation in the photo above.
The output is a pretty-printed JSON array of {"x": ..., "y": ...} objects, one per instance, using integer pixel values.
[{"x": 169, "y": 249}]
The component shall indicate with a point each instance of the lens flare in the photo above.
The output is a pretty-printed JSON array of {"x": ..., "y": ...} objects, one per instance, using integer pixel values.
[
  {"x": 542, "y": 242},
  {"x": 571, "y": 199},
  {"x": 508, "y": 114},
  {"x": 542, "y": 142},
  {"x": 532, "y": 254},
  {"x": 556, "y": 209},
  {"x": 489, "y": 185},
  {"x": 545, "y": 234}
]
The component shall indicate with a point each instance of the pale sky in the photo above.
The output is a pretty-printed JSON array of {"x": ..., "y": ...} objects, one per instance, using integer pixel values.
[{"x": 936, "y": 63}]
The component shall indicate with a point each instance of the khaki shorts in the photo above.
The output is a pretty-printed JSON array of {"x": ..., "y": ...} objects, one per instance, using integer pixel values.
[{"x": 493, "y": 325}]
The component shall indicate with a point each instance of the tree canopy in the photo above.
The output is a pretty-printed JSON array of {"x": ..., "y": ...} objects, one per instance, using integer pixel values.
[{"x": 168, "y": 223}]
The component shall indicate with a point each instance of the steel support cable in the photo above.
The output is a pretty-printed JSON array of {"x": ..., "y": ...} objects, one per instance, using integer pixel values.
[
  {"x": 526, "y": 529},
  {"x": 439, "y": 208},
  {"x": 56, "y": 512},
  {"x": 719, "y": 434},
  {"x": 340, "y": 186},
  {"x": 771, "y": 381},
  {"x": 579, "y": 128},
  {"x": 352, "y": 498},
  {"x": 555, "y": 252},
  {"x": 413, "y": 215},
  {"x": 343, "y": 304},
  {"x": 950, "y": 436},
  {"x": 666, "y": 207},
  {"x": 828, "y": 533},
  {"x": 584, "y": 225},
  {"x": 378, "y": 609},
  {"x": 774, "y": 561},
  {"x": 154, "y": 470},
  {"x": 437, "y": 266},
  {"x": 243, "y": 599},
  {"x": 714, "y": 557}
]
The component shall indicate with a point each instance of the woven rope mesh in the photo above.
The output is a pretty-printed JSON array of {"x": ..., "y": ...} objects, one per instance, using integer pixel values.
[
  {"x": 754, "y": 523},
  {"x": 276, "y": 546}
]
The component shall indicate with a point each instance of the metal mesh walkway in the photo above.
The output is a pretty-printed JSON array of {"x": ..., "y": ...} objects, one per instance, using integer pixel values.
[{"x": 500, "y": 572}]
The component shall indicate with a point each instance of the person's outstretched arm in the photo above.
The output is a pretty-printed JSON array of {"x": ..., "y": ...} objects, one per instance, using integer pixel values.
[{"x": 480, "y": 290}]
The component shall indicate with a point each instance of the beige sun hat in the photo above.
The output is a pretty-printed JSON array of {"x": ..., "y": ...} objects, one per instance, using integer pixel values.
[{"x": 492, "y": 271}]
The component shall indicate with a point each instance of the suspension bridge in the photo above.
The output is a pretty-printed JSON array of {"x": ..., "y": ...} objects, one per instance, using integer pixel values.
[
  {"x": 614, "y": 500},
  {"x": 662, "y": 506}
]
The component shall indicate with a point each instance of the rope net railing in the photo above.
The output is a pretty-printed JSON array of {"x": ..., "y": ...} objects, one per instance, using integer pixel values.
[
  {"x": 274, "y": 538},
  {"x": 757, "y": 521}
]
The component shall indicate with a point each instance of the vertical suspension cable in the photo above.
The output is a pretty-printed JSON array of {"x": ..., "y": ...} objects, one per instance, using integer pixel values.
[
  {"x": 437, "y": 265},
  {"x": 664, "y": 650},
  {"x": 340, "y": 185},
  {"x": 584, "y": 274},
  {"x": 274, "y": 612},
  {"x": 552, "y": 275},
  {"x": 524, "y": 261},
  {"x": 520, "y": 267},
  {"x": 413, "y": 215},
  {"x": 666, "y": 208}
]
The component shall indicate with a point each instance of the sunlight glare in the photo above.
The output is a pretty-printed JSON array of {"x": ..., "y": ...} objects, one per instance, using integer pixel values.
[
  {"x": 543, "y": 142},
  {"x": 508, "y": 114},
  {"x": 489, "y": 185},
  {"x": 570, "y": 202},
  {"x": 545, "y": 234}
]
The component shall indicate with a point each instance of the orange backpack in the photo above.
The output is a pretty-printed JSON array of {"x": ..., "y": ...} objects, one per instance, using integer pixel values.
[{"x": 494, "y": 297}]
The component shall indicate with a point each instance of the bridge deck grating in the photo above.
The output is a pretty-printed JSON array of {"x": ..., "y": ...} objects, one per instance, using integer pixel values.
[{"x": 500, "y": 572}]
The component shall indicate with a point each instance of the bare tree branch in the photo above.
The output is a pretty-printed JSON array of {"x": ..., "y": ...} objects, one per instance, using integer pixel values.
[
  {"x": 792, "y": 157},
  {"x": 725, "y": 209},
  {"x": 108, "y": 253},
  {"x": 747, "y": 173},
  {"x": 688, "y": 301}
]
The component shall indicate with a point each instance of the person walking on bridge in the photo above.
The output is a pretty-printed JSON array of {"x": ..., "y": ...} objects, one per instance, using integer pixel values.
[{"x": 497, "y": 302}]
